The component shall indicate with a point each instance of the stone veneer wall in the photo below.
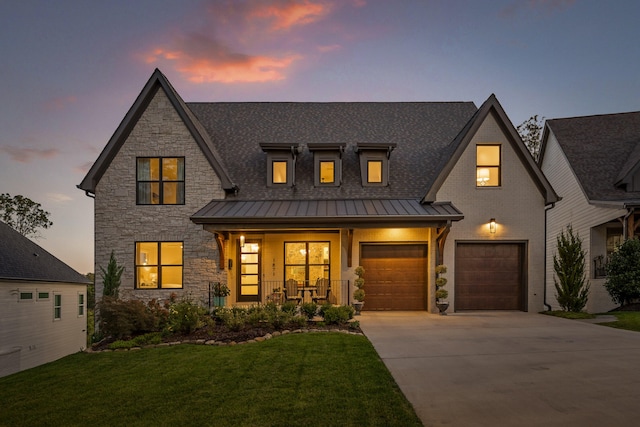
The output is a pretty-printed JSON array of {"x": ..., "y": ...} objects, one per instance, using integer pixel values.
[{"x": 119, "y": 222}]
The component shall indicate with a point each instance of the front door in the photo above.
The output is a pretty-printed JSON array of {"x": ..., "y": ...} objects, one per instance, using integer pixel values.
[{"x": 249, "y": 271}]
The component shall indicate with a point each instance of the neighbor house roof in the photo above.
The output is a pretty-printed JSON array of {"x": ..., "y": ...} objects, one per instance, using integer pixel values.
[
  {"x": 602, "y": 150},
  {"x": 22, "y": 259}
]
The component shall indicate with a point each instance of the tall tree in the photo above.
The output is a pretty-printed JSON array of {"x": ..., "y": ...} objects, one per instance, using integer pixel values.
[
  {"x": 572, "y": 291},
  {"x": 531, "y": 133},
  {"x": 23, "y": 215}
]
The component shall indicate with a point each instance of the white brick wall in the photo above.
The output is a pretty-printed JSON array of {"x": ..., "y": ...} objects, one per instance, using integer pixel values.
[{"x": 517, "y": 205}]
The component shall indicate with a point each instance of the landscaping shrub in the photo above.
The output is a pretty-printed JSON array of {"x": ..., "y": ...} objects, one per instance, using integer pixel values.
[
  {"x": 623, "y": 272},
  {"x": 298, "y": 321},
  {"x": 280, "y": 319},
  {"x": 572, "y": 291},
  {"x": 337, "y": 315},
  {"x": 186, "y": 316},
  {"x": 289, "y": 307},
  {"x": 123, "y": 319},
  {"x": 140, "y": 340},
  {"x": 309, "y": 309}
]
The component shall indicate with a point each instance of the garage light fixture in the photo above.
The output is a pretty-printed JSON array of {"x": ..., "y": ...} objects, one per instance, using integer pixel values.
[{"x": 492, "y": 225}]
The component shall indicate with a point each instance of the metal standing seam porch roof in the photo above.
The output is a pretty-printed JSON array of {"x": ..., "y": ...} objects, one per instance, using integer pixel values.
[{"x": 265, "y": 214}]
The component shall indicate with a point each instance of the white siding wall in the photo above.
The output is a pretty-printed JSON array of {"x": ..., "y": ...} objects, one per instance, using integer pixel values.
[
  {"x": 119, "y": 222},
  {"x": 517, "y": 205},
  {"x": 29, "y": 334},
  {"x": 575, "y": 210}
]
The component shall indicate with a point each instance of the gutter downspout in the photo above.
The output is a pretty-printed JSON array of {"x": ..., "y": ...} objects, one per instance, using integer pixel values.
[
  {"x": 544, "y": 297},
  {"x": 625, "y": 221}
]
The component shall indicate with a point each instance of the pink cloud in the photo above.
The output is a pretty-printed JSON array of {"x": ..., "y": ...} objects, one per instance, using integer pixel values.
[
  {"x": 83, "y": 168},
  {"x": 287, "y": 14},
  {"x": 329, "y": 48},
  {"x": 202, "y": 59},
  {"x": 26, "y": 155},
  {"x": 60, "y": 103}
]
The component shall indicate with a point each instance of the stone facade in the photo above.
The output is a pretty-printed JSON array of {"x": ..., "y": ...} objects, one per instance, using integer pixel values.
[{"x": 120, "y": 222}]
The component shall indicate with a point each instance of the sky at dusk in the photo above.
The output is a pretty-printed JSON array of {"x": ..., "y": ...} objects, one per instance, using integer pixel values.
[{"x": 71, "y": 69}]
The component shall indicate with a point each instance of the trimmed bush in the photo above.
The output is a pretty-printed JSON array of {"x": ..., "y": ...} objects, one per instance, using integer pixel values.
[
  {"x": 337, "y": 315},
  {"x": 123, "y": 319},
  {"x": 623, "y": 272},
  {"x": 572, "y": 291}
]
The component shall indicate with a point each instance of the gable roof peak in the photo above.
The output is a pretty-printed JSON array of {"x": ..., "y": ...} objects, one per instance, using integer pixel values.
[{"x": 156, "y": 82}]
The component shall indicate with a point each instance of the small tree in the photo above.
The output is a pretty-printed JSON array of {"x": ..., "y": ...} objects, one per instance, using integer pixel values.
[
  {"x": 23, "y": 215},
  {"x": 441, "y": 282},
  {"x": 111, "y": 277},
  {"x": 572, "y": 291},
  {"x": 623, "y": 272},
  {"x": 531, "y": 133}
]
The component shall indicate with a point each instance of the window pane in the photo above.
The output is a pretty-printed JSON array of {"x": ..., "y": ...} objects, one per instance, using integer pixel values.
[
  {"x": 147, "y": 277},
  {"x": 249, "y": 268},
  {"x": 279, "y": 172},
  {"x": 327, "y": 172},
  {"x": 148, "y": 193},
  {"x": 488, "y": 155},
  {"x": 26, "y": 295},
  {"x": 173, "y": 193},
  {"x": 172, "y": 169},
  {"x": 171, "y": 277},
  {"x": 148, "y": 169},
  {"x": 146, "y": 253},
  {"x": 43, "y": 295},
  {"x": 171, "y": 253},
  {"x": 318, "y": 272},
  {"x": 295, "y": 272},
  {"x": 319, "y": 253},
  {"x": 295, "y": 253},
  {"x": 374, "y": 171},
  {"x": 249, "y": 258}
]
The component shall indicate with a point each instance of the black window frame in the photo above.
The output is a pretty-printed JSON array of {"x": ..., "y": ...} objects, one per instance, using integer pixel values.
[
  {"x": 160, "y": 181},
  {"x": 159, "y": 265}
]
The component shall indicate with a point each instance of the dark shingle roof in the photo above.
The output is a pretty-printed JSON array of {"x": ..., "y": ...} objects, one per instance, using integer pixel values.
[
  {"x": 600, "y": 149},
  {"x": 22, "y": 259},
  {"x": 421, "y": 130}
]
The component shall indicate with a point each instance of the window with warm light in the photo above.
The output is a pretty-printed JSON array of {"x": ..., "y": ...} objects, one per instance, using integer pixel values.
[
  {"x": 488, "y": 165},
  {"x": 159, "y": 265},
  {"x": 249, "y": 271},
  {"x": 327, "y": 172},
  {"x": 279, "y": 172},
  {"x": 306, "y": 262},
  {"x": 160, "y": 181},
  {"x": 374, "y": 171}
]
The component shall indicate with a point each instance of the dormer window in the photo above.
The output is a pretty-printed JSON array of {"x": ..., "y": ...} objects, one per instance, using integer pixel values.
[
  {"x": 487, "y": 165},
  {"x": 327, "y": 161},
  {"x": 374, "y": 163},
  {"x": 281, "y": 159}
]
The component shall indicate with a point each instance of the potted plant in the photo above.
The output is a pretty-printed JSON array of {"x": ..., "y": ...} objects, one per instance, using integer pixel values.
[
  {"x": 358, "y": 294},
  {"x": 441, "y": 293},
  {"x": 220, "y": 292}
]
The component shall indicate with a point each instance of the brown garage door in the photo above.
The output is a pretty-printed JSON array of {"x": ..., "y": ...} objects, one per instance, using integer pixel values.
[
  {"x": 395, "y": 276},
  {"x": 489, "y": 276}
]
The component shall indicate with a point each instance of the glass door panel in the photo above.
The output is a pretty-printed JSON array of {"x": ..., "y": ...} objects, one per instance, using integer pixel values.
[{"x": 249, "y": 271}]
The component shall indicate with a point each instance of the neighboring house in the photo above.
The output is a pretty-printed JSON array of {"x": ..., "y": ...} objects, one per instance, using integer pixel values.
[
  {"x": 42, "y": 305},
  {"x": 593, "y": 163},
  {"x": 256, "y": 195}
]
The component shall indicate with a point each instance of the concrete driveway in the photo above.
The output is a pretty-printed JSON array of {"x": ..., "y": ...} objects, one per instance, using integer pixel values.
[{"x": 510, "y": 368}]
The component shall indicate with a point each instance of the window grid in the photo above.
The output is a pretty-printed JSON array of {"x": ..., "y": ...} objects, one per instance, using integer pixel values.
[
  {"x": 160, "y": 181},
  {"x": 159, "y": 265}
]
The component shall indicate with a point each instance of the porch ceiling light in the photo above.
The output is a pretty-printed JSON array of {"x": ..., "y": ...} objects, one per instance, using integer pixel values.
[
  {"x": 492, "y": 225},
  {"x": 242, "y": 241}
]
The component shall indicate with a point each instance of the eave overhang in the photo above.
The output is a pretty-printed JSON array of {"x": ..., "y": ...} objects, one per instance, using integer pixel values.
[{"x": 247, "y": 215}]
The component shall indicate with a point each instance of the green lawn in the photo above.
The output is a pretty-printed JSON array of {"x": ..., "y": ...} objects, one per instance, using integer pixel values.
[
  {"x": 328, "y": 379},
  {"x": 629, "y": 320}
]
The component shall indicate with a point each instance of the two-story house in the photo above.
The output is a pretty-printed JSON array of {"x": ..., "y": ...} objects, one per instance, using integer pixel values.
[
  {"x": 593, "y": 162},
  {"x": 261, "y": 195}
]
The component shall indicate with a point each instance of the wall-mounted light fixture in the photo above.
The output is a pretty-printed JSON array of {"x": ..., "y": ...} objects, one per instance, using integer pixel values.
[
  {"x": 242, "y": 241},
  {"x": 492, "y": 225}
]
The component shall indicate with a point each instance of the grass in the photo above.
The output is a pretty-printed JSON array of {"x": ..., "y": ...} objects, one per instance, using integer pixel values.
[
  {"x": 293, "y": 380},
  {"x": 569, "y": 314},
  {"x": 629, "y": 320}
]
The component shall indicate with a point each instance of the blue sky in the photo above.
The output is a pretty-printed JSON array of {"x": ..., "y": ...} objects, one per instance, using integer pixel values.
[{"x": 72, "y": 68}]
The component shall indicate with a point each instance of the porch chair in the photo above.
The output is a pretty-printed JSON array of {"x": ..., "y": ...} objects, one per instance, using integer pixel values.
[
  {"x": 291, "y": 291},
  {"x": 323, "y": 289}
]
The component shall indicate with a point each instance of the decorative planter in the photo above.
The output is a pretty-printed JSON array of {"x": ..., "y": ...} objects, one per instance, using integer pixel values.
[
  {"x": 219, "y": 301},
  {"x": 442, "y": 306},
  {"x": 358, "y": 306}
]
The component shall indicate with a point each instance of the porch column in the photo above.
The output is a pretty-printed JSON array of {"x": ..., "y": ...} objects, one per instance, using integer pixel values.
[{"x": 441, "y": 238}]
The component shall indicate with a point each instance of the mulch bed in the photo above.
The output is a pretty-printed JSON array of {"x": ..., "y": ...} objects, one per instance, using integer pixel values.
[
  {"x": 221, "y": 333},
  {"x": 629, "y": 307}
]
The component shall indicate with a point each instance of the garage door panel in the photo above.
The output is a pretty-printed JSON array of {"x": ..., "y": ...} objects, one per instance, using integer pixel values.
[
  {"x": 395, "y": 276},
  {"x": 489, "y": 276}
]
